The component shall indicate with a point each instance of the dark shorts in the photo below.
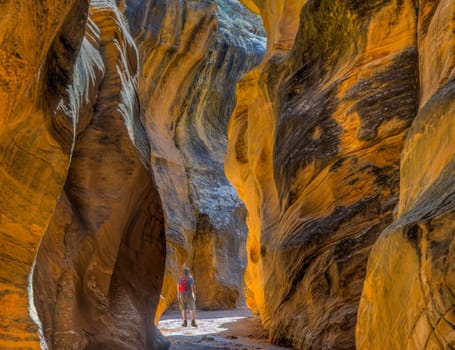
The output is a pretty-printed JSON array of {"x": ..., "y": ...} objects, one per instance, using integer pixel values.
[{"x": 187, "y": 302}]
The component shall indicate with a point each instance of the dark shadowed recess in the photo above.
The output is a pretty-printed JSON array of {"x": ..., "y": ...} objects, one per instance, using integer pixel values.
[{"x": 58, "y": 71}]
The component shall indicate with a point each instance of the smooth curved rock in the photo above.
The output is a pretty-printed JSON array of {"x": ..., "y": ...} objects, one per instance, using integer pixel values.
[
  {"x": 108, "y": 224},
  {"x": 408, "y": 296},
  {"x": 76, "y": 178},
  {"x": 33, "y": 164},
  {"x": 314, "y": 152},
  {"x": 193, "y": 53}
]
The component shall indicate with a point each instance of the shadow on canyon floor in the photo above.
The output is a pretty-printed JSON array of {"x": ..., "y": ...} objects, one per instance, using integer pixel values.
[{"x": 225, "y": 329}]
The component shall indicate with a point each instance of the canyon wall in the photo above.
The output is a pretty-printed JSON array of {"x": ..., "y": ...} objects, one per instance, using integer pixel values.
[
  {"x": 33, "y": 163},
  {"x": 192, "y": 54},
  {"x": 315, "y": 145},
  {"x": 82, "y": 228},
  {"x": 409, "y": 292},
  {"x": 340, "y": 146},
  {"x": 82, "y": 225}
]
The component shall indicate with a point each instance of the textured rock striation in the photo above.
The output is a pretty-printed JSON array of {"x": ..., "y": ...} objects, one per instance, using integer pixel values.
[
  {"x": 409, "y": 293},
  {"x": 193, "y": 53},
  {"x": 76, "y": 183},
  {"x": 314, "y": 152},
  {"x": 33, "y": 164}
]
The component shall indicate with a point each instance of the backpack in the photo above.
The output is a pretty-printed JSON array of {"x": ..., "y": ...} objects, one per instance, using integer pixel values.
[{"x": 184, "y": 285}]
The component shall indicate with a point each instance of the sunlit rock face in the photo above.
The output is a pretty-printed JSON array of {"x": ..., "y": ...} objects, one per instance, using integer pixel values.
[
  {"x": 193, "y": 53},
  {"x": 314, "y": 152},
  {"x": 75, "y": 183},
  {"x": 408, "y": 298},
  {"x": 33, "y": 164}
]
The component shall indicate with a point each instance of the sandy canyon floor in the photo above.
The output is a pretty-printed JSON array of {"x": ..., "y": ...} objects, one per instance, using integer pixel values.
[{"x": 231, "y": 329}]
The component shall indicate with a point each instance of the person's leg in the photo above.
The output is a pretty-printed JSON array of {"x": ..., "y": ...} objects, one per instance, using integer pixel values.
[
  {"x": 192, "y": 308},
  {"x": 193, "y": 318},
  {"x": 185, "y": 322},
  {"x": 183, "y": 309}
]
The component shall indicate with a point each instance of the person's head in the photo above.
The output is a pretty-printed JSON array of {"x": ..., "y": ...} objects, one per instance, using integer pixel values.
[{"x": 186, "y": 271}]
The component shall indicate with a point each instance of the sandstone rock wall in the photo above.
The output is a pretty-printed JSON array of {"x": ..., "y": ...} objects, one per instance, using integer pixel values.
[
  {"x": 33, "y": 163},
  {"x": 314, "y": 152},
  {"x": 408, "y": 296},
  {"x": 193, "y": 53},
  {"x": 75, "y": 183},
  {"x": 340, "y": 146},
  {"x": 248, "y": 162}
]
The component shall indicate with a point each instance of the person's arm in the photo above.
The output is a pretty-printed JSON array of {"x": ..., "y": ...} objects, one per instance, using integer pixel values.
[
  {"x": 193, "y": 290},
  {"x": 178, "y": 292}
]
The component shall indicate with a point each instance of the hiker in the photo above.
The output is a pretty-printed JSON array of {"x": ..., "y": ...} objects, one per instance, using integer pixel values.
[{"x": 186, "y": 293}]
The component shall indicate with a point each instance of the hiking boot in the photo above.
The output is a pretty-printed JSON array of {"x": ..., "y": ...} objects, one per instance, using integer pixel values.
[
  {"x": 185, "y": 323},
  {"x": 193, "y": 323}
]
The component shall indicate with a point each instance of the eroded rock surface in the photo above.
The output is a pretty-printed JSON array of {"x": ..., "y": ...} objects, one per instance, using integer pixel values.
[
  {"x": 317, "y": 152},
  {"x": 33, "y": 164},
  {"x": 76, "y": 176},
  {"x": 314, "y": 152},
  {"x": 408, "y": 297},
  {"x": 193, "y": 53},
  {"x": 72, "y": 114}
]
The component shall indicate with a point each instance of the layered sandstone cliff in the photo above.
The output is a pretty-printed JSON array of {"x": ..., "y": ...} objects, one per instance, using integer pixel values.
[
  {"x": 193, "y": 53},
  {"x": 82, "y": 229},
  {"x": 314, "y": 151}
]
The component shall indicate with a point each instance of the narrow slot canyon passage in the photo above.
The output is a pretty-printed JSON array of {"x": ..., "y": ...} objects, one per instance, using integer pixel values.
[{"x": 296, "y": 155}]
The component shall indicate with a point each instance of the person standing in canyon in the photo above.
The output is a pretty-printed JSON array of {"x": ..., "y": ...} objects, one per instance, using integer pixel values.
[{"x": 186, "y": 293}]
